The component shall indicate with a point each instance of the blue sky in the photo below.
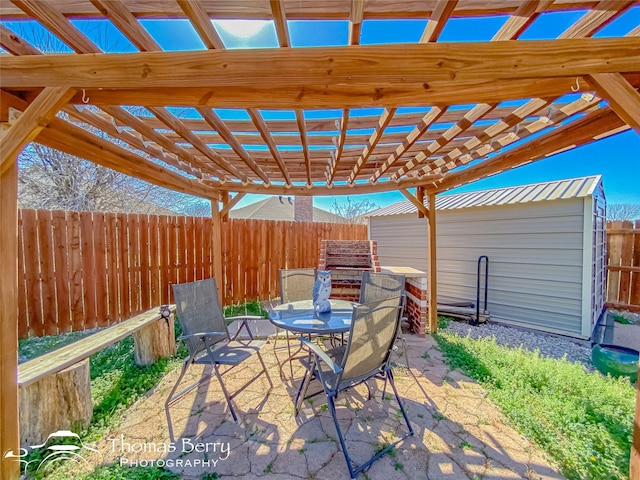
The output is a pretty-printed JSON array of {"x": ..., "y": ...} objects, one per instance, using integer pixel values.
[{"x": 617, "y": 158}]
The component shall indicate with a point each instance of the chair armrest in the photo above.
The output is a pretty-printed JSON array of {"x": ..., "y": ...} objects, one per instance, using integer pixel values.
[
  {"x": 200, "y": 335},
  {"x": 245, "y": 317},
  {"x": 318, "y": 352}
]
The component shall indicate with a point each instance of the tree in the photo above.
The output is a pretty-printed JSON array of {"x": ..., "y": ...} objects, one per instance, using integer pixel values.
[
  {"x": 353, "y": 211},
  {"x": 623, "y": 211}
]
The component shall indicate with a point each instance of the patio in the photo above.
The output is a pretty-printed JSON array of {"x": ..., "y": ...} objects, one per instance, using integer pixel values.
[{"x": 459, "y": 434}]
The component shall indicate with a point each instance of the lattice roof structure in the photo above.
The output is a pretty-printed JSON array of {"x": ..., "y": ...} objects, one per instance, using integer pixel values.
[{"x": 443, "y": 114}]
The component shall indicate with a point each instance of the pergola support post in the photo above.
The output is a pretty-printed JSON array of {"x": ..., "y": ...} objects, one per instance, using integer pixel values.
[
  {"x": 9, "y": 431},
  {"x": 216, "y": 246},
  {"x": 432, "y": 271}
]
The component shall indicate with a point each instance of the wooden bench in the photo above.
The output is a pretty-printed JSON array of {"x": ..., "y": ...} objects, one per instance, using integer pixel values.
[{"x": 55, "y": 388}]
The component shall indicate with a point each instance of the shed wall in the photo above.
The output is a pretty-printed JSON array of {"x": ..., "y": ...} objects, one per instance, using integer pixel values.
[{"x": 535, "y": 252}]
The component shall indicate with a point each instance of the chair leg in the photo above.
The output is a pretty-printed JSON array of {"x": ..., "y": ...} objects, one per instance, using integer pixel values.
[
  {"x": 264, "y": 369},
  {"x": 304, "y": 386},
  {"x": 224, "y": 390},
  {"x": 332, "y": 409},
  {"x": 170, "y": 400},
  {"x": 395, "y": 391}
]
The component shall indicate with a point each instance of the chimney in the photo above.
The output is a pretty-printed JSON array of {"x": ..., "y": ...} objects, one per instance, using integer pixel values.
[{"x": 303, "y": 209}]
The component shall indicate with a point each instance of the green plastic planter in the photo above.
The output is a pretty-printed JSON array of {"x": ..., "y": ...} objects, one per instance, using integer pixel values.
[{"x": 615, "y": 360}]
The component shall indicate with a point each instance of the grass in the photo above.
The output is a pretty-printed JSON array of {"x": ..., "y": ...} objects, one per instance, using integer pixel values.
[
  {"x": 117, "y": 472},
  {"x": 582, "y": 420}
]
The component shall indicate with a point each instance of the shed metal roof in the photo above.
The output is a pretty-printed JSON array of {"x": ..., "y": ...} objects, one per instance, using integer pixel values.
[{"x": 535, "y": 192}]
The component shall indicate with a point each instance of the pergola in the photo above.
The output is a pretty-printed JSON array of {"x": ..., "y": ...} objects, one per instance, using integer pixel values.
[{"x": 438, "y": 115}]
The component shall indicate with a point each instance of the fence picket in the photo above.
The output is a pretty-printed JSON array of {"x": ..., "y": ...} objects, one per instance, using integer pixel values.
[{"x": 79, "y": 270}]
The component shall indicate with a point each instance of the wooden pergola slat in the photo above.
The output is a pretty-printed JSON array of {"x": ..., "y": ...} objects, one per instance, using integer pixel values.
[
  {"x": 201, "y": 23},
  {"x": 58, "y": 24},
  {"x": 121, "y": 17},
  {"x": 385, "y": 118},
  {"x": 438, "y": 19}
]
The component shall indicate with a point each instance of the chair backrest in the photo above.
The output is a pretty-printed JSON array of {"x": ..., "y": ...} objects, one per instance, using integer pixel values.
[
  {"x": 198, "y": 310},
  {"x": 374, "y": 328},
  {"x": 378, "y": 286},
  {"x": 296, "y": 284}
]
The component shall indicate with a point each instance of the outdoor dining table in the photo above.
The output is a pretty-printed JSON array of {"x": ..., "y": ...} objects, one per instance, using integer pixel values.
[{"x": 300, "y": 317}]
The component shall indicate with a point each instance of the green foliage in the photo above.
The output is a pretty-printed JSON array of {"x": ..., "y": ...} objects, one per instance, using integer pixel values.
[
  {"x": 443, "y": 322},
  {"x": 117, "y": 472},
  {"x": 253, "y": 307},
  {"x": 210, "y": 476},
  {"x": 622, "y": 319},
  {"x": 582, "y": 420}
]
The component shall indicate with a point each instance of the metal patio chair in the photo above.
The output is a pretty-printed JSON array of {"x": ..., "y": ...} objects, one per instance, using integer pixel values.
[
  {"x": 378, "y": 286},
  {"x": 204, "y": 330},
  {"x": 366, "y": 355},
  {"x": 295, "y": 284}
]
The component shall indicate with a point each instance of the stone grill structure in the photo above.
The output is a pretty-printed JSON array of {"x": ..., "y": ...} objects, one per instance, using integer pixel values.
[{"x": 347, "y": 259}]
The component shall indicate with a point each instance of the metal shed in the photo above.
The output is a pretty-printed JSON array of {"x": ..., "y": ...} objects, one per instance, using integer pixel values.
[{"x": 545, "y": 242}]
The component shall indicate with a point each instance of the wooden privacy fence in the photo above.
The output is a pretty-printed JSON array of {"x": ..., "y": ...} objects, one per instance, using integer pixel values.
[
  {"x": 81, "y": 270},
  {"x": 623, "y": 269}
]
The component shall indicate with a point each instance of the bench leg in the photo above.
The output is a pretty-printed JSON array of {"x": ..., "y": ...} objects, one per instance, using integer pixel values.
[
  {"x": 60, "y": 401},
  {"x": 155, "y": 341}
]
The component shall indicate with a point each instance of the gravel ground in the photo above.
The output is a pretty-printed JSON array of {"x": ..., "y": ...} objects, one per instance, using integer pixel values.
[{"x": 553, "y": 346}]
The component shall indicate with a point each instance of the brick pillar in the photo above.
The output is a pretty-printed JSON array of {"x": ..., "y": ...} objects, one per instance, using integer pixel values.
[{"x": 303, "y": 209}]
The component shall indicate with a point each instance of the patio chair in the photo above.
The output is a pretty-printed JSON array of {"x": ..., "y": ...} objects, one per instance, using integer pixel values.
[
  {"x": 295, "y": 284},
  {"x": 378, "y": 286},
  {"x": 204, "y": 330},
  {"x": 366, "y": 355}
]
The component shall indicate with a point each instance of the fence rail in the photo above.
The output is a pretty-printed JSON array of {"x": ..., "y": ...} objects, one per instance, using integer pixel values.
[
  {"x": 82, "y": 270},
  {"x": 623, "y": 269}
]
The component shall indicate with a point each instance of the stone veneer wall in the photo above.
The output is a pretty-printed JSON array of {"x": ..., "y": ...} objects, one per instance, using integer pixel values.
[{"x": 345, "y": 285}]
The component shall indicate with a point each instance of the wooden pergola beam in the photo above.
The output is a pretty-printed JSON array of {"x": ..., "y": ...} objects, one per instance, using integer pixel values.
[
  {"x": 418, "y": 204},
  {"x": 15, "y": 44},
  {"x": 622, "y": 97},
  {"x": 597, "y": 124},
  {"x": 31, "y": 122},
  {"x": 324, "y": 96},
  {"x": 230, "y": 204},
  {"x": 379, "y": 65},
  {"x": 76, "y": 141}
]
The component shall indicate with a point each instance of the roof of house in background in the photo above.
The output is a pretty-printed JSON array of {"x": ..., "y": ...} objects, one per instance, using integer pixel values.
[
  {"x": 280, "y": 208},
  {"x": 535, "y": 192}
]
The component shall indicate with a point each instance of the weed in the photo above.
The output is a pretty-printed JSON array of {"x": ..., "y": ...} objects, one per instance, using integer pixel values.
[
  {"x": 324, "y": 408},
  {"x": 397, "y": 466},
  {"x": 425, "y": 356},
  {"x": 420, "y": 415},
  {"x": 210, "y": 476},
  {"x": 388, "y": 397},
  {"x": 466, "y": 446},
  {"x": 438, "y": 416},
  {"x": 269, "y": 468},
  {"x": 118, "y": 472},
  {"x": 583, "y": 420}
]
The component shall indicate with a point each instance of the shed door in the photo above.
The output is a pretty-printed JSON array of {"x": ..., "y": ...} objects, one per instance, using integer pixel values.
[{"x": 598, "y": 286}]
